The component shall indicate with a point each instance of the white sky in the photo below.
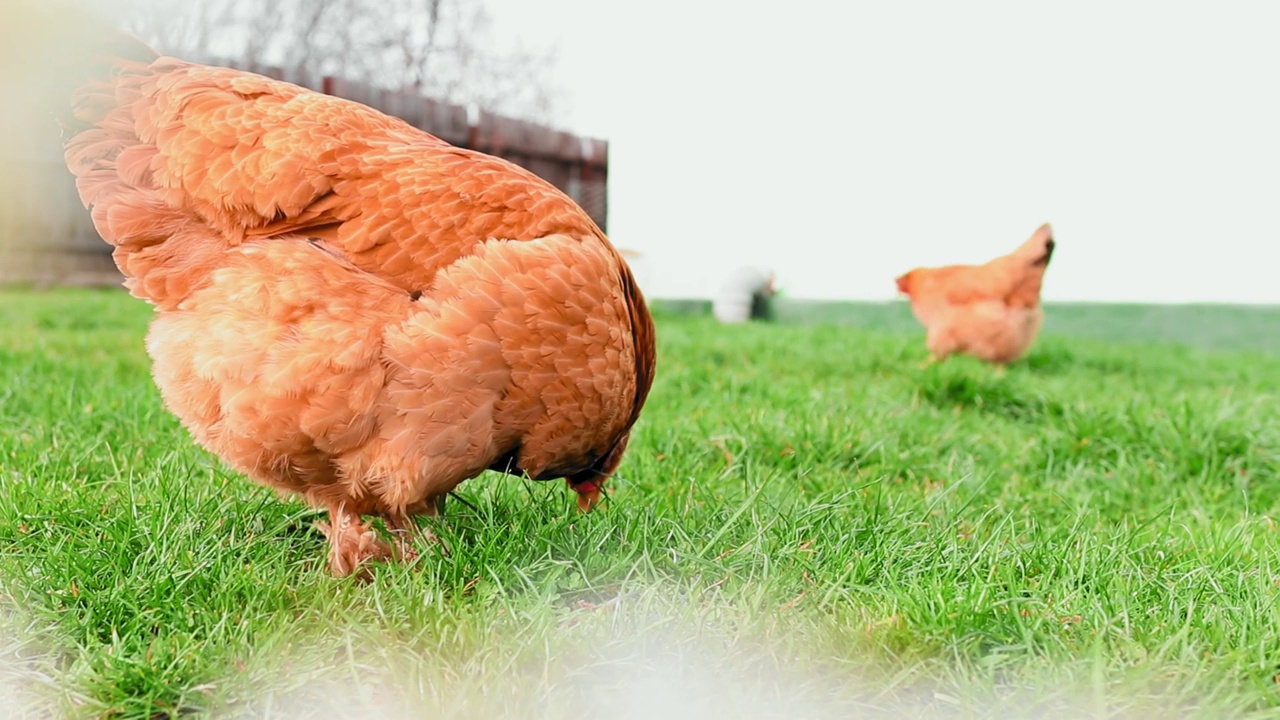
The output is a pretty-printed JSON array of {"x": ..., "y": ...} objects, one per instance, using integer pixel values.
[{"x": 844, "y": 143}]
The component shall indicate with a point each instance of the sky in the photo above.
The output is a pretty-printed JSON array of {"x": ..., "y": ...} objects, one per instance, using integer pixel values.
[{"x": 842, "y": 144}]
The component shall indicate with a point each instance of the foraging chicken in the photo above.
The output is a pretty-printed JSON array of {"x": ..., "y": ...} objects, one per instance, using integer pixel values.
[
  {"x": 349, "y": 309},
  {"x": 990, "y": 311}
]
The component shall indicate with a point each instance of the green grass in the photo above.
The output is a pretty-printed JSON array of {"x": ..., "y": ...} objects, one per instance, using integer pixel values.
[
  {"x": 1207, "y": 326},
  {"x": 807, "y": 525}
]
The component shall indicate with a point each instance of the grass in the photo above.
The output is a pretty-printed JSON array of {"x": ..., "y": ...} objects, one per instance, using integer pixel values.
[
  {"x": 806, "y": 525},
  {"x": 1206, "y": 326}
]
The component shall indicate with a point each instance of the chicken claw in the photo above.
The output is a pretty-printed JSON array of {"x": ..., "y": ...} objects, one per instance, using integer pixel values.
[
  {"x": 406, "y": 532},
  {"x": 352, "y": 544}
]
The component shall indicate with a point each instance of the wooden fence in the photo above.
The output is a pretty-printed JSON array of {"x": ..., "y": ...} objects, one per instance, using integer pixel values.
[{"x": 46, "y": 237}]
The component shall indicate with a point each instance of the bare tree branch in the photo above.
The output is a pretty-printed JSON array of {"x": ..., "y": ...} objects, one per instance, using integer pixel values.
[{"x": 442, "y": 48}]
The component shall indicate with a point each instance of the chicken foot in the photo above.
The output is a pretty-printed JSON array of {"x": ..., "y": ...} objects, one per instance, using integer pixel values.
[
  {"x": 352, "y": 543},
  {"x": 406, "y": 531}
]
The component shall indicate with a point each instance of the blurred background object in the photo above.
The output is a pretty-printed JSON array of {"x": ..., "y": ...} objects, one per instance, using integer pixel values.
[{"x": 745, "y": 295}]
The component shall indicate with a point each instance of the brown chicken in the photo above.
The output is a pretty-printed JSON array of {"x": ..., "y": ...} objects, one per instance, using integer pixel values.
[
  {"x": 990, "y": 311},
  {"x": 352, "y": 310}
]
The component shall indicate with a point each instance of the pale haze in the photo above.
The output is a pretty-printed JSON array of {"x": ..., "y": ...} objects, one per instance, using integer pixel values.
[{"x": 844, "y": 143}]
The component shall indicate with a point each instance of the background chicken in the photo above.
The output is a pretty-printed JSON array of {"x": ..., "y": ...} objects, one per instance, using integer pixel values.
[
  {"x": 348, "y": 308},
  {"x": 990, "y": 311}
]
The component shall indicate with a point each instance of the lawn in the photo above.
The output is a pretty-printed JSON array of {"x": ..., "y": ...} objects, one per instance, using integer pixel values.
[{"x": 808, "y": 525}]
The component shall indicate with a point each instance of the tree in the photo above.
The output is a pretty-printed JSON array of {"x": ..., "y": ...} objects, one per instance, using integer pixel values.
[{"x": 442, "y": 48}]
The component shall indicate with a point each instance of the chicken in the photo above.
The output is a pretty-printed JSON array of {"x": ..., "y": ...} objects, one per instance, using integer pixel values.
[
  {"x": 989, "y": 311},
  {"x": 349, "y": 309}
]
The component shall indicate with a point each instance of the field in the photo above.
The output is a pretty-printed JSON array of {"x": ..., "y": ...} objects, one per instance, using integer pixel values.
[{"x": 808, "y": 524}]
